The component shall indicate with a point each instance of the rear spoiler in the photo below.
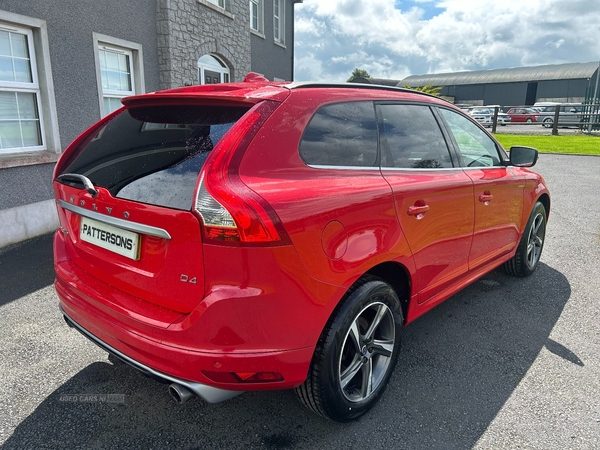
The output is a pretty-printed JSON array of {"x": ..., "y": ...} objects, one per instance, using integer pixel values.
[{"x": 229, "y": 94}]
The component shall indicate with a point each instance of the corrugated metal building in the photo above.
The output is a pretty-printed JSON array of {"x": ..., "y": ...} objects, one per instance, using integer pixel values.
[{"x": 516, "y": 86}]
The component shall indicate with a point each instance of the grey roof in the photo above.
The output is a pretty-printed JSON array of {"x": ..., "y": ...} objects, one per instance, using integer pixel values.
[
  {"x": 382, "y": 81},
  {"x": 515, "y": 74}
]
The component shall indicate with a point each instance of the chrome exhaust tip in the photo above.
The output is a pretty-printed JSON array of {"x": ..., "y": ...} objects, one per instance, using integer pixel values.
[{"x": 180, "y": 393}]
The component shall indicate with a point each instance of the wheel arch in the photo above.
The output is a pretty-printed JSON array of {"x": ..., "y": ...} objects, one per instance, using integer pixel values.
[
  {"x": 397, "y": 276},
  {"x": 544, "y": 199}
]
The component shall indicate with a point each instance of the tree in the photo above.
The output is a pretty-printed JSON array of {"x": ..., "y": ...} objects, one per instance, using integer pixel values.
[
  {"x": 359, "y": 73},
  {"x": 429, "y": 89}
]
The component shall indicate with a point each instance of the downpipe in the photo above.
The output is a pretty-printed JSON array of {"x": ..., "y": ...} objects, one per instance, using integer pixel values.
[{"x": 180, "y": 393}]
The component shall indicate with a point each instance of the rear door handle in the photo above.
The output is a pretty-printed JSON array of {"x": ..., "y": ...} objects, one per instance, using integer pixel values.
[
  {"x": 417, "y": 210},
  {"x": 486, "y": 197}
]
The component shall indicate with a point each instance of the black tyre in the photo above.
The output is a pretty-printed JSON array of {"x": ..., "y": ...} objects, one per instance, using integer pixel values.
[
  {"x": 548, "y": 123},
  {"x": 114, "y": 360},
  {"x": 356, "y": 353},
  {"x": 529, "y": 120},
  {"x": 530, "y": 247}
]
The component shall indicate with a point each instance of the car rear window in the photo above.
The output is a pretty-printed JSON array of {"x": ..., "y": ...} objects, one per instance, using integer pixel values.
[
  {"x": 341, "y": 134},
  {"x": 154, "y": 154}
]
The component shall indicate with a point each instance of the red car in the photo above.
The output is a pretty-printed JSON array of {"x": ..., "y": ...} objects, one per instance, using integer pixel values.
[
  {"x": 256, "y": 235},
  {"x": 526, "y": 115}
]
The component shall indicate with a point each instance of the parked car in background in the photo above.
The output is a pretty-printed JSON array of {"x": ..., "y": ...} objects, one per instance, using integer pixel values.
[
  {"x": 485, "y": 116},
  {"x": 527, "y": 115},
  {"x": 256, "y": 235},
  {"x": 569, "y": 115}
]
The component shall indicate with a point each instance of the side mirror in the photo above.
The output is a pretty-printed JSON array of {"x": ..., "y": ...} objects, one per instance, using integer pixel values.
[{"x": 523, "y": 156}]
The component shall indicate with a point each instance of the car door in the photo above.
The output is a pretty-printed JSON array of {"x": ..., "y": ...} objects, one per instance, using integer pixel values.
[
  {"x": 568, "y": 115},
  {"x": 432, "y": 195},
  {"x": 498, "y": 193},
  {"x": 520, "y": 115}
]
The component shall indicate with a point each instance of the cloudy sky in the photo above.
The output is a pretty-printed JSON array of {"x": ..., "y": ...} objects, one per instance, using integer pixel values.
[{"x": 398, "y": 38}]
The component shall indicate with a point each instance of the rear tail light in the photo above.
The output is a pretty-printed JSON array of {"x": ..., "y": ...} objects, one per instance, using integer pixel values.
[{"x": 231, "y": 212}]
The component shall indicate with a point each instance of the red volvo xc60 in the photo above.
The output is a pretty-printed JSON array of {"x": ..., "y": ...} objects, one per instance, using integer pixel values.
[{"x": 257, "y": 235}]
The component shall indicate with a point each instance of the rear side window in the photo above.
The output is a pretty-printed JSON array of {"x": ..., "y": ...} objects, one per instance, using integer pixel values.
[
  {"x": 342, "y": 134},
  {"x": 154, "y": 154},
  {"x": 411, "y": 138}
]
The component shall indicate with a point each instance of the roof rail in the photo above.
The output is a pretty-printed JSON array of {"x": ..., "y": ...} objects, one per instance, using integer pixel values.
[{"x": 311, "y": 84}]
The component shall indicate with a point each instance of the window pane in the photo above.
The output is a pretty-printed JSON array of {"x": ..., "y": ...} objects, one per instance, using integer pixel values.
[
  {"x": 31, "y": 133},
  {"x": 475, "y": 146},
  {"x": 104, "y": 76},
  {"x": 343, "y": 134},
  {"x": 115, "y": 71},
  {"x": 6, "y": 69},
  {"x": 112, "y": 61},
  {"x": 111, "y": 104},
  {"x": 27, "y": 105},
  {"x": 22, "y": 70},
  {"x": 14, "y": 58},
  {"x": 10, "y": 134},
  {"x": 15, "y": 132},
  {"x": 106, "y": 102},
  {"x": 4, "y": 44},
  {"x": 122, "y": 59},
  {"x": 19, "y": 45},
  {"x": 254, "y": 15},
  {"x": 277, "y": 20},
  {"x": 411, "y": 138},
  {"x": 125, "y": 84},
  {"x": 114, "y": 80},
  {"x": 8, "y": 106}
]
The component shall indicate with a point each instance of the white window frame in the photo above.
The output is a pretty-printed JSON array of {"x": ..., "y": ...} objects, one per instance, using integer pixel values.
[
  {"x": 225, "y": 72},
  {"x": 260, "y": 17},
  {"x": 220, "y": 6},
  {"x": 42, "y": 86},
  {"x": 279, "y": 38},
  {"x": 136, "y": 69}
]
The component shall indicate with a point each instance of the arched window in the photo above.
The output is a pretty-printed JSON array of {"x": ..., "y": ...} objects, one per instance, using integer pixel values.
[{"x": 212, "y": 70}]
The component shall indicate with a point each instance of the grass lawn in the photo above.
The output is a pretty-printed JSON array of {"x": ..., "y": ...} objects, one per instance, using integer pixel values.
[{"x": 576, "y": 144}]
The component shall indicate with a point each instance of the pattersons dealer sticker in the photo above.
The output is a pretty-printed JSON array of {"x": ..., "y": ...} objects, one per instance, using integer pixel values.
[{"x": 111, "y": 238}]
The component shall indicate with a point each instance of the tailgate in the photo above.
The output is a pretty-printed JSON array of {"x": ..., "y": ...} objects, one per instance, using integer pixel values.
[
  {"x": 125, "y": 195},
  {"x": 152, "y": 253}
]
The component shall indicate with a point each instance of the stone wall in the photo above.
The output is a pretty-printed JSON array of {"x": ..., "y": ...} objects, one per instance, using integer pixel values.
[{"x": 189, "y": 29}]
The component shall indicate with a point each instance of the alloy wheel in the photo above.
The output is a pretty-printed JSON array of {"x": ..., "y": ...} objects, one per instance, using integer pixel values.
[
  {"x": 367, "y": 352},
  {"x": 535, "y": 240}
]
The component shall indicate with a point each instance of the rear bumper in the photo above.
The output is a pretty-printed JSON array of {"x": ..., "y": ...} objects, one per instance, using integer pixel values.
[
  {"x": 228, "y": 332},
  {"x": 207, "y": 393},
  {"x": 183, "y": 365}
]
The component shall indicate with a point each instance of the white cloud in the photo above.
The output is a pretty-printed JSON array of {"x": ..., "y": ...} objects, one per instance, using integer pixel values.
[{"x": 334, "y": 37}]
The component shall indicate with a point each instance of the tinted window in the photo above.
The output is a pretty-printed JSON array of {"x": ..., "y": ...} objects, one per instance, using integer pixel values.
[
  {"x": 475, "y": 146},
  {"x": 153, "y": 155},
  {"x": 343, "y": 134},
  {"x": 411, "y": 138}
]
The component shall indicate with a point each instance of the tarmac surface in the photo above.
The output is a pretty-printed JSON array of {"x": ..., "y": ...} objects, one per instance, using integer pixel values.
[{"x": 505, "y": 364}]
